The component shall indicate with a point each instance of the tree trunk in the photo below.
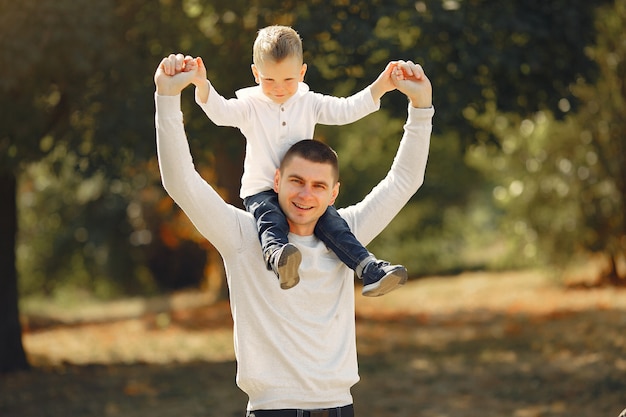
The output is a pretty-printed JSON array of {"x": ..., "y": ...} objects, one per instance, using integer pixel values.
[
  {"x": 610, "y": 276},
  {"x": 12, "y": 356}
]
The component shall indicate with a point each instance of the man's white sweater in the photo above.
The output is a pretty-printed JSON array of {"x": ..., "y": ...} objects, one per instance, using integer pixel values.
[{"x": 294, "y": 348}]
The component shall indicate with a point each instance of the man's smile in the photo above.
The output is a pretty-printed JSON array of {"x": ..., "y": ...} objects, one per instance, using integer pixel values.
[{"x": 302, "y": 207}]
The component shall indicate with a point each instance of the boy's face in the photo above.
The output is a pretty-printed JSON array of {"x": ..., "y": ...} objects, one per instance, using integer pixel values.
[
  {"x": 279, "y": 80},
  {"x": 305, "y": 190}
]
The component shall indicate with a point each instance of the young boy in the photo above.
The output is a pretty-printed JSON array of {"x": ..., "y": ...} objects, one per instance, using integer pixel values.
[{"x": 273, "y": 116}]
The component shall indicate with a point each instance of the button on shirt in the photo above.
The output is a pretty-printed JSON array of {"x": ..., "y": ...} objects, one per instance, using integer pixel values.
[{"x": 270, "y": 128}]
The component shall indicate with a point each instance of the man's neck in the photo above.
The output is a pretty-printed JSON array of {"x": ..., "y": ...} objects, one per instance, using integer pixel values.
[{"x": 301, "y": 230}]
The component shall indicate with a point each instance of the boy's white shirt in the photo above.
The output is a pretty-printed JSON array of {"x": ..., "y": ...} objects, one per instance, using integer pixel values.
[
  {"x": 270, "y": 128},
  {"x": 294, "y": 348}
]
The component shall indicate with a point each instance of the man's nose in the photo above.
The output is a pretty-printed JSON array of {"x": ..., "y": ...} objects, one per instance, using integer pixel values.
[{"x": 306, "y": 191}]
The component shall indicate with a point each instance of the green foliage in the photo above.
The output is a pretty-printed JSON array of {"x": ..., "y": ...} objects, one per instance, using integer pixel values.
[
  {"x": 520, "y": 55},
  {"x": 562, "y": 183},
  {"x": 78, "y": 231},
  {"x": 48, "y": 51},
  {"x": 76, "y": 92},
  {"x": 77, "y": 86}
]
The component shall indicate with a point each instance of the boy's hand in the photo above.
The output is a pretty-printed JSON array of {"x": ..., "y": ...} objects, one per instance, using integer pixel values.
[
  {"x": 175, "y": 72},
  {"x": 383, "y": 83},
  {"x": 410, "y": 79}
]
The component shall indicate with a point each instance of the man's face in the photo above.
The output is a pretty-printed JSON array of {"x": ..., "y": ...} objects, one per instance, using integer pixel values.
[
  {"x": 279, "y": 80},
  {"x": 305, "y": 190}
]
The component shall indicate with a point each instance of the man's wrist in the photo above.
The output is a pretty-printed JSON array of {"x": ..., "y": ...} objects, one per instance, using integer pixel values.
[
  {"x": 166, "y": 91},
  {"x": 421, "y": 103}
]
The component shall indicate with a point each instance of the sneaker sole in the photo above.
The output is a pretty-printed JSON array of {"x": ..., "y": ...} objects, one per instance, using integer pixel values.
[
  {"x": 288, "y": 267},
  {"x": 386, "y": 284}
]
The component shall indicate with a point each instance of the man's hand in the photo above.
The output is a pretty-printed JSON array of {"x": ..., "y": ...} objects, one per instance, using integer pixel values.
[
  {"x": 410, "y": 79},
  {"x": 175, "y": 72}
]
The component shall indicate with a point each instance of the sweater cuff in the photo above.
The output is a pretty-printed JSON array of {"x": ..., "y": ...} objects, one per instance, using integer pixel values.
[
  {"x": 167, "y": 106},
  {"x": 372, "y": 105},
  {"x": 195, "y": 94},
  {"x": 421, "y": 114}
]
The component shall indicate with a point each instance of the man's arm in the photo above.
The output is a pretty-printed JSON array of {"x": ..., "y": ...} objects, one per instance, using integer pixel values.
[
  {"x": 369, "y": 217},
  {"x": 214, "y": 219}
]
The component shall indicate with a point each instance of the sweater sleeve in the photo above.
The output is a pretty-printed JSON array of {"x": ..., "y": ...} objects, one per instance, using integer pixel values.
[
  {"x": 216, "y": 220},
  {"x": 369, "y": 217}
]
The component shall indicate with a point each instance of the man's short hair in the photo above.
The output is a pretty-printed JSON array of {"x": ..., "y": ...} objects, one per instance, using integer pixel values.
[
  {"x": 276, "y": 43},
  {"x": 314, "y": 151}
]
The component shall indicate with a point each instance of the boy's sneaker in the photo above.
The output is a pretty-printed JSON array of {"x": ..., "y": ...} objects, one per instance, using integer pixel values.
[
  {"x": 380, "y": 277},
  {"x": 285, "y": 264}
]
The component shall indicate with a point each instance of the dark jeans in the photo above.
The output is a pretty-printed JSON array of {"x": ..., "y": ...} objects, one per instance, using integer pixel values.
[{"x": 331, "y": 229}]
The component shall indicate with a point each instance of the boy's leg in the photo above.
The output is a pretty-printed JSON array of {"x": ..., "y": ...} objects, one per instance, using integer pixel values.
[
  {"x": 379, "y": 277},
  {"x": 280, "y": 256}
]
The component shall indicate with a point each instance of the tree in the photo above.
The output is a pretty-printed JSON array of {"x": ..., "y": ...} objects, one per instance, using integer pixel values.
[
  {"x": 601, "y": 119},
  {"x": 69, "y": 82},
  {"x": 11, "y": 349},
  {"x": 562, "y": 182},
  {"x": 46, "y": 57},
  {"x": 78, "y": 78}
]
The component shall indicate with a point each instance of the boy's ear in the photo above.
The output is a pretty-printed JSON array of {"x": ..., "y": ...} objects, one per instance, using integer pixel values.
[
  {"x": 255, "y": 72},
  {"x": 302, "y": 72}
]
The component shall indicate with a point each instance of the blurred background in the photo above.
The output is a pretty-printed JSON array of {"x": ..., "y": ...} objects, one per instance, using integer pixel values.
[{"x": 526, "y": 170}]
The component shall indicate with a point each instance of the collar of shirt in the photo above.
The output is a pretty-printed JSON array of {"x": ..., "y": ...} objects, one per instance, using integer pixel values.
[{"x": 255, "y": 93}]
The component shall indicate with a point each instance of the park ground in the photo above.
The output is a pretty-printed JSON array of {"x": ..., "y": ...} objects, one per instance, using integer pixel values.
[{"x": 518, "y": 344}]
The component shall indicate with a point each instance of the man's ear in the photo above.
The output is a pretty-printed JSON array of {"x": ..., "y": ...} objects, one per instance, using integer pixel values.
[
  {"x": 276, "y": 180},
  {"x": 255, "y": 73},
  {"x": 335, "y": 193},
  {"x": 302, "y": 72}
]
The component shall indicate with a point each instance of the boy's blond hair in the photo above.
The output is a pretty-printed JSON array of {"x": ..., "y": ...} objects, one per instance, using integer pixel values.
[{"x": 275, "y": 43}]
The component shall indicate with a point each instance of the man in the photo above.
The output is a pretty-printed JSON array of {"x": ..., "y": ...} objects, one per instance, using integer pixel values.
[{"x": 296, "y": 351}]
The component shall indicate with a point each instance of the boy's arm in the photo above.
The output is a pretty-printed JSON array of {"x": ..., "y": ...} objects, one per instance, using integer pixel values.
[
  {"x": 383, "y": 83},
  {"x": 341, "y": 111},
  {"x": 203, "y": 87},
  {"x": 221, "y": 111}
]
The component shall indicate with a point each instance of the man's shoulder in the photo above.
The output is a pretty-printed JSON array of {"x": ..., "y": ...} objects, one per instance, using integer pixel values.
[{"x": 231, "y": 227}]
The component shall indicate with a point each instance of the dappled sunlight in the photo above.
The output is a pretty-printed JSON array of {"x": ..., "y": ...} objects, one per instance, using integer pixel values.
[{"x": 515, "y": 344}]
